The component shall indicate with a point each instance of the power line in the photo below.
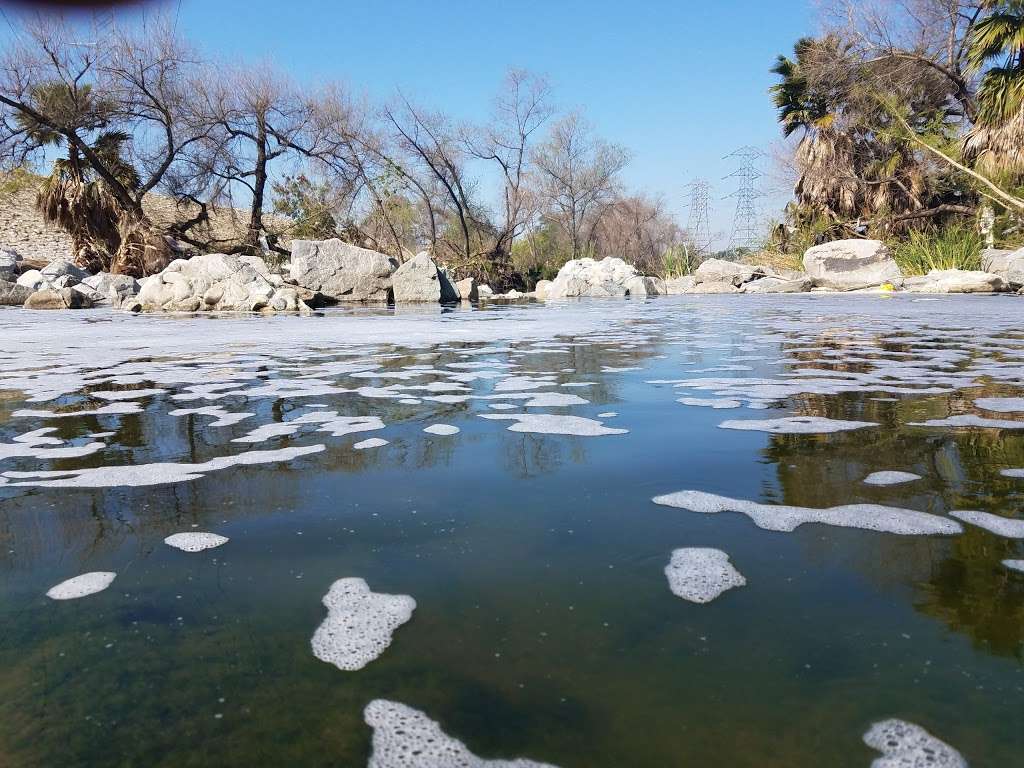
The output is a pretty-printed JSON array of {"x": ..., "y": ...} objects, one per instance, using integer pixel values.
[
  {"x": 698, "y": 221},
  {"x": 746, "y": 226}
]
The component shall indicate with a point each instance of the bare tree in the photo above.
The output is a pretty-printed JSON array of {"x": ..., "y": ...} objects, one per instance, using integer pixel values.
[{"x": 578, "y": 176}]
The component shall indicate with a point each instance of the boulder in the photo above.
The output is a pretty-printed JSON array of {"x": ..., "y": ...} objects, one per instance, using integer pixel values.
[
  {"x": 341, "y": 272},
  {"x": 1009, "y": 265},
  {"x": 677, "y": 286},
  {"x": 32, "y": 279},
  {"x": 847, "y": 265},
  {"x": 113, "y": 289},
  {"x": 645, "y": 286},
  {"x": 780, "y": 285},
  {"x": 542, "y": 289},
  {"x": 586, "y": 277},
  {"x": 9, "y": 265},
  {"x": 214, "y": 282},
  {"x": 722, "y": 271},
  {"x": 12, "y": 294},
  {"x": 484, "y": 291},
  {"x": 419, "y": 280},
  {"x": 467, "y": 289},
  {"x": 57, "y": 298},
  {"x": 64, "y": 268},
  {"x": 715, "y": 287},
  {"x": 956, "y": 281}
]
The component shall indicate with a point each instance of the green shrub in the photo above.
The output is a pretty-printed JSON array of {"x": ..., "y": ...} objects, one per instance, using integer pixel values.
[{"x": 955, "y": 246}]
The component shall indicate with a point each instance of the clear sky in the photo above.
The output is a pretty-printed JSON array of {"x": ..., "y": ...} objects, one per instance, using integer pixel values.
[{"x": 681, "y": 83}]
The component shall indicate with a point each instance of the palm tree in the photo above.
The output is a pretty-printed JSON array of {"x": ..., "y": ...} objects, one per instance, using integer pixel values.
[
  {"x": 996, "y": 142},
  {"x": 107, "y": 234}
]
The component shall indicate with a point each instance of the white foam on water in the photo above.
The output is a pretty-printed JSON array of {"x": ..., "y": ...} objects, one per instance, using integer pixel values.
[
  {"x": 114, "y": 409},
  {"x": 195, "y": 541},
  {"x": 82, "y": 586},
  {"x": 710, "y": 402},
  {"x": 222, "y": 418},
  {"x": 325, "y": 421},
  {"x": 441, "y": 429},
  {"x": 410, "y": 401},
  {"x": 32, "y": 445},
  {"x": 554, "y": 400},
  {"x": 502, "y": 406},
  {"x": 1014, "y": 565},
  {"x": 1001, "y": 404},
  {"x": 138, "y": 475},
  {"x": 905, "y": 745},
  {"x": 373, "y": 442},
  {"x": 796, "y": 425},
  {"x": 554, "y": 424},
  {"x": 890, "y": 477},
  {"x": 970, "y": 420},
  {"x": 701, "y": 574},
  {"x": 359, "y": 624},
  {"x": 1000, "y": 526},
  {"x": 777, "y": 517},
  {"x": 112, "y": 395},
  {"x": 404, "y": 737},
  {"x": 607, "y": 415},
  {"x": 1014, "y": 473}
]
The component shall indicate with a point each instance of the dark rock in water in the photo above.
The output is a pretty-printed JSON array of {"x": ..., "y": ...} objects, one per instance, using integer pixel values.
[
  {"x": 12, "y": 294},
  {"x": 62, "y": 298}
]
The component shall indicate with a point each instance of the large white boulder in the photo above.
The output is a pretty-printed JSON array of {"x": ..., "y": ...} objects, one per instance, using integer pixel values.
[
  {"x": 340, "y": 271},
  {"x": 799, "y": 284},
  {"x": 677, "y": 286},
  {"x": 722, "y": 271},
  {"x": 55, "y": 270},
  {"x": 110, "y": 288},
  {"x": 542, "y": 289},
  {"x": 956, "y": 281},
  {"x": 1009, "y": 265},
  {"x": 215, "y": 282},
  {"x": 467, "y": 289},
  {"x": 32, "y": 279},
  {"x": 419, "y": 280},
  {"x": 586, "y": 277},
  {"x": 847, "y": 265}
]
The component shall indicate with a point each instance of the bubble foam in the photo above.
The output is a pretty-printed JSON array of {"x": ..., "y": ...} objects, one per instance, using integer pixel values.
[
  {"x": 554, "y": 424},
  {"x": 796, "y": 425},
  {"x": 359, "y": 624},
  {"x": 969, "y": 420},
  {"x": 701, "y": 574},
  {"x": 890, "y": 478},
  {"x": 195, "y": 541},
  {"x": 905, "y": 745},
  {"x": 441, "y": 429},
  {"x": 1000, "y": 526},
  {"x": 771, "y": 517},
  {"x": 82, "y": 586},
  {"x": 373, "y": 442},
  {"x": 404, "y": 737},
  {"x": 1014, "y": 565}
]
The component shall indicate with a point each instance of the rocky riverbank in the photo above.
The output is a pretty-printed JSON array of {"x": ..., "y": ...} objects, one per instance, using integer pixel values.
[{"x": 331, "y": 272}]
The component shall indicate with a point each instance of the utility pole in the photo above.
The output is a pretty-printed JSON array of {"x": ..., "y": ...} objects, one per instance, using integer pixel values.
[
  {"x": 698, "y": 221},
  {"x": 746, "y": 226}
]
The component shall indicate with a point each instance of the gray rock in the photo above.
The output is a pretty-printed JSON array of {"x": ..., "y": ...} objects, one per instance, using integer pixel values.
[
  {"x": 484, "y": 291},
  {"x": 63, "y": 268},
  {"x": 680, "y": 285},
  {"x": 1009, "y": 265},
  {"x": 214, "y": 282},
  {"x": 467, "y": 289},
  {"x": 32, "y": 279},
  {"x": 57, "y": 298},
  {"x": 9, "y": 265},
  {"x": 542, "y": 289},
  {"x": 419, "y": 280},
  {"x": 341, "y": 272},
  {"x": 12, "y": 294},
  {"x": 847, "y": 265},
  {"x": 779, "y": 285},
  {"x": 645, "y": 286},
  {"x": 716, "y": 287},
  {"x": 113, "y": 288},
  {"x": 722, "y": 271},
  {"x": 956, "y": 281}
]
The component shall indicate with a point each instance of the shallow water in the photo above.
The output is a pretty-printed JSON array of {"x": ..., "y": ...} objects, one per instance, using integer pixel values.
[{"x": 544, "y": 624}]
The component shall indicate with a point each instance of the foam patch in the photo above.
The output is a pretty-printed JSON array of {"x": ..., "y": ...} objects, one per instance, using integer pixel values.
[
  {"x": 373, "y": 442},
  {"x": 222, "y": 418},
  {"x": 1014, "y": 565},
  {"x": 359, "y": 624},
  {"x": 114, "y": 409},
  {"x": 771, "y": 517},
  {"x": 33, "y": 445},
  {"x": 404, "y": 737},
  {"x": 112, "y": 395},
  {"x": 1000, "y": 526},
  {"x": 195, "y": 541},
  {"x": 441, "y": 429},
  {"x": 701, "y": 574},
  {"x": 796, "y": 425},
  {"x": 554, "y": 424},
  {"x": 709, "y": 402},
  {"x": 905, "y": 745},
  {"x": 970, "y": 420},
  {"x": 890, "y": 478},
  {"x": 82, "y": 586},
  {"x": 1001, "y": 404}
]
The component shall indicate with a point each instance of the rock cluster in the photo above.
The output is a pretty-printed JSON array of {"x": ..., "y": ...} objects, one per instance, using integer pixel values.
[{"x": 606, "y": 278}]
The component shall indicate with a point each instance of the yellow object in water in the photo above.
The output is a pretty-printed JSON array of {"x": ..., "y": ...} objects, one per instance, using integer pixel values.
[{"x": 888, "y": 287}]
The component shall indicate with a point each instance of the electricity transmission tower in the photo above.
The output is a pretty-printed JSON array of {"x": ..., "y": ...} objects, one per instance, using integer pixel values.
[
  {"x": 746, "y": 228},
  {"x": 698, "y": 221}
]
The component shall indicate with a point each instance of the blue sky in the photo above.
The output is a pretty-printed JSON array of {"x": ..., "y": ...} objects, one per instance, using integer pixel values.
[{"x": 680, "y": 83}]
